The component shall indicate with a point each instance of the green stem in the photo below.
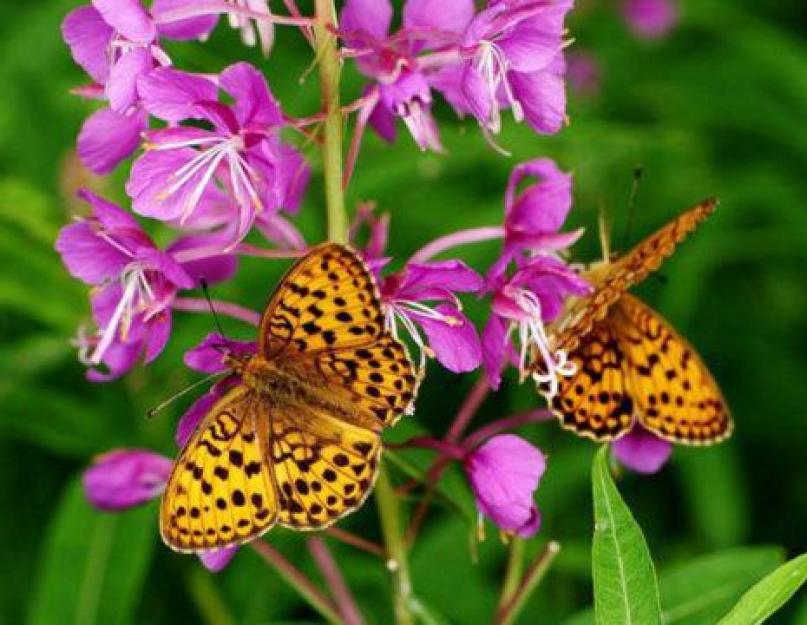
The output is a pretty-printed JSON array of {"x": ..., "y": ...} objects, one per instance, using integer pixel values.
[
  {"x": 390, "y": 516},
  {"x": 512, "y": 575},
  {"x": 212, "y": 608},
  {"x": 329, "y": 74},
  {"x": 297, "y": 580},
  {"x": 535, "y": 573}
]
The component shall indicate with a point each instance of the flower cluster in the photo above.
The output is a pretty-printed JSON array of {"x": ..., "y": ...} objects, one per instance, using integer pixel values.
[{"x": 212, "y": 163}]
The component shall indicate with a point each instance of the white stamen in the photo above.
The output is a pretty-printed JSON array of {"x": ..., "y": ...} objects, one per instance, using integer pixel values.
[{"x": 493, "y": 65}]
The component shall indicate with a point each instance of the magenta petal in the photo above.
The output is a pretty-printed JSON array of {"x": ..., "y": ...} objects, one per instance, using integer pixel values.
[
  {"x": 254, "y": 103},
  {"x": 641, "y": 450},
  {"x": 107, "y": 138},
  {"x": 280, "y": 231},
  {"x": 530, "y": 48},
  {"x": 172, "y": 95},
  {"x": 456, "y": 345},
  {"x": 124, "y": 478},
  {"x": 532, "y": 525},
  {"x": 129, "y": 18},
  {"x": 151, "y": 180},
  {"x": 193, "y": 416},
  {"x": 494, "y": 347},
  {"x": 542, "y": 96},
  {"x": 208, "y": 356},
  {"x": 504, "y": 473},
  {"x": 88, "y": 36},
  {"x": 450, "y": 16},
  {"x": 217, "y": 560},
  {"x": 478, "y": 96},
  {"x": 211, "y": 268},
  {"x": 422, "y": 279},
  {"x": 449, "y": 80},
  {"x": 113, "y": 217},
  {"x": 121, "y": 87},
  {"x": 87, "y": 256},
  {"x": 118, "y": 360},
  {"x": 544, "y": 205},
  {"x": 159, "y": 331},
  {"x": 383, "y": 122},
  {"x": 191, "y": 28},
  {"x": 371, "y": 16}
]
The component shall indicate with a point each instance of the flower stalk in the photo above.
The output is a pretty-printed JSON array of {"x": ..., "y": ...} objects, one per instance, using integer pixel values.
[
  {"x": 329, "y": 75},
  {"x": 535, "y": 573}
]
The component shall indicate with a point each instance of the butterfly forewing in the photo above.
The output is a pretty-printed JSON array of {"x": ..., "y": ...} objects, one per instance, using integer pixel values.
[
  {"x": 324, "y": 467},
  {"x": 221, "y": 491},
  {"x": 676, "y": 397}
]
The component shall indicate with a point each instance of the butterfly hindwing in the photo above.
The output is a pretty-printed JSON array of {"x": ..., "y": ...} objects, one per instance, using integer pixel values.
[
  {"x": 594, "y": 402},
  {"x": 676, "y": 397},
  {"x": 221, "y": 490},
  {"x": 327, "y": 300},
  {"x": 324, "y": 467}
]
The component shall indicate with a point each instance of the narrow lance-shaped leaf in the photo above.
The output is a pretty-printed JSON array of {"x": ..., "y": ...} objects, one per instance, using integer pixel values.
[
  {"x": 625, "y": 586},
  {"x": 769, "y": 595}
]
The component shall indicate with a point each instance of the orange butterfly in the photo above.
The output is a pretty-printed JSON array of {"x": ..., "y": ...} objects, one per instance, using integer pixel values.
[
  {"x": 629, "y": 362},
  {"x": 297, "y": 441}
]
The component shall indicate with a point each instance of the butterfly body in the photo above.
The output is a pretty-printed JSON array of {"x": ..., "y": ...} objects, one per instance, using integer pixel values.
[
  {"x": 630, "y": 364},
  {"x": 297, "y": 440}
]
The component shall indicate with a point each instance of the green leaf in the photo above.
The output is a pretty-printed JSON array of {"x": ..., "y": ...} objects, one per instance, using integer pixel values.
[
  {"x": 93, "y": 564},
  {"x": 699, "y": 591},
  {"x": 768, "y": 595},
  {"x": 625, "y": 587}
]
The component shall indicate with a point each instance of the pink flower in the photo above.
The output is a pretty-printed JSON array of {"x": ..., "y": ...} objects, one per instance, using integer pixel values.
[
  {"x": 650, "y": 19},
  {"x": 511, "y": 57},
  {"x": 533, "y": 294},
  {"x": 185, "y": 168},
  {"x": 641, "y": 450},
  {"x": 584, "y": 73},
  {"x": 134, "y": 285},
  {"x": 504, "y": 474},
  {"x": 123, "y": 478}
]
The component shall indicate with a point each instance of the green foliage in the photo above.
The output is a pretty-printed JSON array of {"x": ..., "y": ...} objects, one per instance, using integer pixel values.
[{"x": 625, "y": 586}]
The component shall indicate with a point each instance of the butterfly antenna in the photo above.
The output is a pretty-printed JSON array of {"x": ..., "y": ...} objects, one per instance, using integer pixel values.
[
  {"x": 216, "y": 320},
  {"x": 605, "y": 232},
  {"x": 153, "y": 411},
  {"x": 634, "y": 192}
]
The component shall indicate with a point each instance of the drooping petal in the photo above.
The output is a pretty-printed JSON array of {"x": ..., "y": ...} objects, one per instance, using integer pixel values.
[
  {"x": 211, "y": 267},
  {"x": 129, "y": 18},
  {"x": 208, "y": 356},
  {"x": 191, "y": 28},
  {"x": 217, "y": 560},
  {"x": 121, "y": 87},
  {"x": 124, "y": 478},
  {"x": 371, "y": 16},
  {"x": 172, "y": 95},
  {"x": 544, "y": 205},
  {"x": 107, "y": 138},
  {"x": 542, "y": 96},
  {"x": 641, "y": 450},
  {"x": 383, "y": 122},
  {"x": 447, "y": 16},
  {"x": 156, "y": 338},
  {"x": 88, "y": 36},
  {"x": 504, "y": 473},
  {"x": 254, "y": 103},
  {"x": 479, "y": 99},
  {"x": 455, "y": 343},
  {"x": 495, "y": 345}
]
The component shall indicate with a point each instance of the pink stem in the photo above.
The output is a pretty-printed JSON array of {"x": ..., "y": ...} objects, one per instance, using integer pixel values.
[
  {"x": 253, "y": 250},
  {"x": 198, "y": 304},
  {"x": 501, "y": 425},
  {"x": 215, "y": 7},
  {"x": 365, "y": 110},
  {"x": 455, "y": 452},
  {"x": 308, "y": 33},
  {"x": 463, "y": 237},
  {"x": 356, "y": 541},
  {"x": 345, "y": 602}
]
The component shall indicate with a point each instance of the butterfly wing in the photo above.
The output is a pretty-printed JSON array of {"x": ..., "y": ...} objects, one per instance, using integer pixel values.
[
  {"x": 675, "y": 396},
  {"x": 627, "y": 271},
  {"x": 324, "y": 467},
  {"x": 221, "y": 491},
  {"x": 326, "y": 322},
  {"x": 594, "y": 402}
]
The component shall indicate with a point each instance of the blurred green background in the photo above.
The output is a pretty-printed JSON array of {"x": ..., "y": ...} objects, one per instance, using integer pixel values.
[{"x": 717, "y": 108}]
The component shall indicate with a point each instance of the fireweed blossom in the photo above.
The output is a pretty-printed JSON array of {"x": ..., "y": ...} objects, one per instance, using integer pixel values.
[
  {"x": 134, "y": 284},
  {"x": 504, "y": 474},
  {"x": 526, "y": 299},
  {"x": 186, "y": 167},
  {"x": 641, "y": 450},
  {"x": 116, "y": 42},
  {"x": 123, "y": 478}
]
